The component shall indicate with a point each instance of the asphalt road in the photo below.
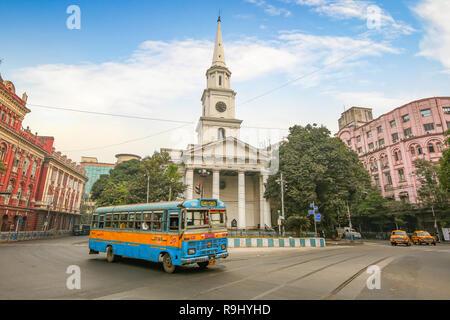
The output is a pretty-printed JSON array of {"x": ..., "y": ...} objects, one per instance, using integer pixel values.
[{"x": 37, "y": 270}]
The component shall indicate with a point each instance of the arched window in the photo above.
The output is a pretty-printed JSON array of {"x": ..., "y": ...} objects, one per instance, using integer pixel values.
[
  {"x": 431, "y": 148},
  {"x": 413, "y": 151},
  {"x": 33, "y": 169},
  {"x": 221, "y": 134},
  {"x": 438, "y": 147},
  {"x": 26, "y": 164},
  {"x": 3, "y": 150},
  {"x": 16, "y": 162},
  {"x": 220, "y": 80}
]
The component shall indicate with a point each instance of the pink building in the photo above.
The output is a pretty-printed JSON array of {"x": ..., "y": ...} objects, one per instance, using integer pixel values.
[{"x": 388, "y": 145}]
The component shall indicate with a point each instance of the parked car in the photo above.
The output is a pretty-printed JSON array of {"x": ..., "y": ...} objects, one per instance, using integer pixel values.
[
  {"x": 345, "y": 233},
  {"x": 420, "y": 237},
  {"x": 400, "y": 237},
  {"x": 81, "y": 229}
]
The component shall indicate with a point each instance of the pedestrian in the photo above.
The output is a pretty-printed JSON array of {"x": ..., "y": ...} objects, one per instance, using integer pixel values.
[
  {"x": 323, "y": 233},
  {"x": 438, "y": 239}
]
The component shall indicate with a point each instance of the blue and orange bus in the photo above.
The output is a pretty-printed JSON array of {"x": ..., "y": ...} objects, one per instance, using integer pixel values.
[{"x": 174, "y": 233}]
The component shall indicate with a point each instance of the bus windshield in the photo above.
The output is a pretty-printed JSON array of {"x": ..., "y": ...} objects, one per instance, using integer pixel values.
[
  {"x": 217, "y": 218},
  {"x": 197, "y": 219}
]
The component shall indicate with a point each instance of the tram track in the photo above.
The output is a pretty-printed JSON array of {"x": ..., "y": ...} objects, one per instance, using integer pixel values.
[
  {"x": 303, "y": 277},
  {"x": 258, "y": 275},
  {"x": 350, "y": 279}
]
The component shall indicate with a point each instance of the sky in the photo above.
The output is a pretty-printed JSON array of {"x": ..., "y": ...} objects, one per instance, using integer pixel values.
[{"x": 292, "y": 62}]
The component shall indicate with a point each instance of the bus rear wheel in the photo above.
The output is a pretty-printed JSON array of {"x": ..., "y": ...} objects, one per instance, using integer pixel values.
[
  {"x": 203, "y": 265},
  {"x": 168, "y": 266},
  {"x": 110, "y": 256}
]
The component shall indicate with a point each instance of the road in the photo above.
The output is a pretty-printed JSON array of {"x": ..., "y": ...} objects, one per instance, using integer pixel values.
[{"x": 37, "y": 270}]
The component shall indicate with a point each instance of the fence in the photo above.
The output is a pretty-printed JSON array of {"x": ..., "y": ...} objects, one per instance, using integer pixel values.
[
  {"x": 31, "y": 235},
  {"x": 267, "y": 234},
  {"x": 271, "y": 242}
]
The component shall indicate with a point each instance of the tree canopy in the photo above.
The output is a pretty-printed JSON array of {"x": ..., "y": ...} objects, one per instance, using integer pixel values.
[
  {"x": 127, "y": 182},
  {"x": 319, "y": 168},
  {"x": 444, "y": 170}
]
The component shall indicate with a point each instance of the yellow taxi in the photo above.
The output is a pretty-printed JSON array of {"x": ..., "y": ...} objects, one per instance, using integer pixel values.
[
  {"x": 420, "y": 237},
  {"x": 400, "y": 237}
]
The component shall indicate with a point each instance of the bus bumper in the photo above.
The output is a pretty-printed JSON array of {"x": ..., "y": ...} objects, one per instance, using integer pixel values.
[{"x": 210, "y": 257}]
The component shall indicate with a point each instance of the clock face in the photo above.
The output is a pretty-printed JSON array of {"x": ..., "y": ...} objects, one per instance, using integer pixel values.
[{"x": 221, "y": 107}]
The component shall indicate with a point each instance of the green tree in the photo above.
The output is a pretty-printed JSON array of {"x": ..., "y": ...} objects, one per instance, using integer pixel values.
[
  {"x": 127, "y": 182},
  {"x": 430, "y": 192},
  {"x": 444, "y": 170},
  {"x": 298, "y": 223},
  {"x": 319, "y": 168}
]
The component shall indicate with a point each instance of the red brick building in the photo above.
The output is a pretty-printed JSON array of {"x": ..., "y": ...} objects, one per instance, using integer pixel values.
[{"x": 27, "y": 186}]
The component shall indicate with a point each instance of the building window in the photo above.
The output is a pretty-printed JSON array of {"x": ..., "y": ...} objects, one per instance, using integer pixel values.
[
  {"x": 397, "y": 155},
  {"x": 419, "y": 150},
  {"x": 349, "y": 142},
  {"x": 448, "y": 124},
  {"x": 401, "y": 175},
  {"x": 381, "y": 142},
  {"x": 446, "y": 110},
  {"x": 3, "y": 149},
  {"x": 380, "y": 129},
  {"x": 358, "y": 138},
  {"x": 428, "y": 126},
  {"x": 407, "y": 132},
  {"x": 431, "y": 148},
  {"x": 394, "y": 137},
  {"x": 221, "y": 134},
  {"x": 438, "y": 147},
  {"x": 359, "y": 150},
  {"x": 413, "y": 151},
  {"x": 405, "y": 118},
  {"x": 392, "y": 123},
  {"x": 388, "y": 179},
  {"x": 376, "y": 179},
  {"x": 220, "y": 80},
  {"x": 425, "y": 112},
  {"x": 371, "y": 145},
  {"x": 369, "y": 134}
]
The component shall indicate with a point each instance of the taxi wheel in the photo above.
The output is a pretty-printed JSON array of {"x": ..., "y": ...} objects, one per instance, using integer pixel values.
[
  {"x": 110, "y": 256},
  {"x": 203, "y": 265},
  {"x": 167, "y": 264}
]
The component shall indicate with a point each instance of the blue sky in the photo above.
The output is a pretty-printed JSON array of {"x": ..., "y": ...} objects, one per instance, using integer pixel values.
[{"x": 149, "y": 58}]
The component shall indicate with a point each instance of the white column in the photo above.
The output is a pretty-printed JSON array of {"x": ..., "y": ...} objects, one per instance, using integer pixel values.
[
  {"x": 215, "y": 184},
  {"x": 266, "y": 206},
  {"x": 241, "y": 200},
  {"x": 189, "y": 180}
]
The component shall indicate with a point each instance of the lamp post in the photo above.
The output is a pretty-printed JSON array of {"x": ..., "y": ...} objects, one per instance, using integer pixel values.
[
  {"x": 282, "y": 183},
  {"x": 203, "y": 173},
  {"x": 148, "y": 183}
]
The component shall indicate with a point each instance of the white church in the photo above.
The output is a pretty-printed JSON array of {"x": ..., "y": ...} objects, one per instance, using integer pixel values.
[{"x": 227, "y": 168}]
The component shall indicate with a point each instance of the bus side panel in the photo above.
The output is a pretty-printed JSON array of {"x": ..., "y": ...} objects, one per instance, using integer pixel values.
[{"x": 97, "y": 245}]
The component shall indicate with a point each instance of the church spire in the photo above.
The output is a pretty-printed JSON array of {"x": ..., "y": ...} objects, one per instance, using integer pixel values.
[{"x": 219, "y": 55}]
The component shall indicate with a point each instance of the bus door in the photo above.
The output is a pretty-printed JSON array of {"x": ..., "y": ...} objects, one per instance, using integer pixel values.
[{"x": 173, "y": 226}]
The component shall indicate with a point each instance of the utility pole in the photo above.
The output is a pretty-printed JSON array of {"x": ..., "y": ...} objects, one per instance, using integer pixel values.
[
  {"x": 350, "y": 222},
  {"x": 282, "y": 184},
  {"x": 315, "y": 223},
  {"x": 435, "y": 222},
  {"x": 148, "y": 183}
]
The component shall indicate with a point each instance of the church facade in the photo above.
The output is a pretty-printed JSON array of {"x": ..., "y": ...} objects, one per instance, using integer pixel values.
[{"x": 221, "y": 165}]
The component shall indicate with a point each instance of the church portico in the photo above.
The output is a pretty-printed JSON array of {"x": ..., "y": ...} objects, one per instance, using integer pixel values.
[{"x": 222, "y": 165}]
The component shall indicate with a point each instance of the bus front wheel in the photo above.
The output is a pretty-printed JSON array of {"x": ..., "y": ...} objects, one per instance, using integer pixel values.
[
  {"x": 167, "y": 264},
  {"x": 110, "y": 256},
  {"x": 203, "y": 265}
]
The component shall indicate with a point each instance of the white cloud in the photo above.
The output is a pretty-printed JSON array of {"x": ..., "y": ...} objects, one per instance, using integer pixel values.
[
  {"x": 269, "y": 8},
  {"x": 164, "y": 79},
  {"x": 436, "y": 42},
  {"x": 362, "y": 10}
]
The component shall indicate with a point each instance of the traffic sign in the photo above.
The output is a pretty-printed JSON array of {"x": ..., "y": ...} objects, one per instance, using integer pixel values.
[
  {"x": 311, "y": 205},
  {"x": 318, "y": 215},
  {"x": 317, "y": 219},
  {"x": 311, "y": 211},
  {"x": 316, "y": 208}
]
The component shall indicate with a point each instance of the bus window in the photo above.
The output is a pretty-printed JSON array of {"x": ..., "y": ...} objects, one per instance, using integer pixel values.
[
  {"x": 173, "y": 222},
  {"x": 108, "y": 219},
  {"x": 94, "y": 222},
  {"x": 131, "y": 220},
  {"x": 138, "y": 221},
  {"x": 123, "y": 220},
  {"x": 101, "y": 221},
  {"x": 115, "y": 221},
  {"x": 146, "y": 220},
  {"x": 197, "y": 218},
  {"x": 157, "y": 220},
  {"x": 217, "y": 217}
]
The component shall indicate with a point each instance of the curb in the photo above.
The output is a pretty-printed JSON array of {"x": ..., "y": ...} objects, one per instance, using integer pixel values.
[{"x": 275, "y": 242}]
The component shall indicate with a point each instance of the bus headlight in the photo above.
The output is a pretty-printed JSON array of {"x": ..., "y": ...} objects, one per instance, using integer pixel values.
[
  {"x": 191, "y": 251},
  {"x": 223, "y": 246}
]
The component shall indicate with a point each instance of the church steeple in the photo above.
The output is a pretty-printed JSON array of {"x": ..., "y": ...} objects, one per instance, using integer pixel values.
[{"x": 219, "y": 55}]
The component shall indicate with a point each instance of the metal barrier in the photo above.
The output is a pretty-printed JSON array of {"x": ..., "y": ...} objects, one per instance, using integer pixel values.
[
  {"x": 31, "y": 235},
  {"x": 276, "y": 242},
  {"x": 267, "y": 234}
]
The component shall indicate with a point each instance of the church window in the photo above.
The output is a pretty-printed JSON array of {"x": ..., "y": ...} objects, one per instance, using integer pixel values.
[
  {"x": 220, "y": 80},
  {"x": 221, "y": 134}
]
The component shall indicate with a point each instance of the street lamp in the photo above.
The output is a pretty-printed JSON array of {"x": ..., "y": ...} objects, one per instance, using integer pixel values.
[
  {"x": 148, "y": 183},
  {"x": 282, "y": 183},
  {"x": 203, "y": 173}
]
